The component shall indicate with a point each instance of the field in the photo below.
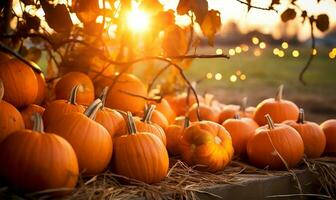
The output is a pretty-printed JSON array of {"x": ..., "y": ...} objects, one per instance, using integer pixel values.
[{"x": 266, "y": 72}]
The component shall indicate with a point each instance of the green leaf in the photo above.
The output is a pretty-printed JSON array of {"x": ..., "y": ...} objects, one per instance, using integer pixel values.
[
  {"x": 211, "y": 25},
  {"x": 289, "y": 14},
  {"x": 322, "y": 22}
]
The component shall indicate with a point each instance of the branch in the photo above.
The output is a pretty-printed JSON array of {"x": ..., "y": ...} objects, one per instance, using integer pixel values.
[
  {"x": 157, "y": 100},
  {"x": 150, "y": 85},
  {"x": 257, "y": 7}
]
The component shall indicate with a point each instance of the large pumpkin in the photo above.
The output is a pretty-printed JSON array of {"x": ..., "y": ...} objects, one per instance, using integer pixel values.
[
  {"x": 280, "y": 110},
  {"x": 205, "y": 113},
  {"x": 174, "y": 133},
  {"x": 28, "y": 112},
  {"x": 312, "y": 135},
  {"x": 121, "y": 94},
  {"x": 41, "y": 91},
  {"x": 276, "y": 146},
  {"x": 32, "y": 161},
  {"x": 329, "y": 129},
  {"x": 90, "y": 140},
  {"x": 240, "y": 131},
  {"x": 19, "y": 81},
  {"x": 207, "y": 145},
  {"x": 64, "y": 86},
  {"x": 10, "y": 118},
  {"x": 140, "y": 155},
  {"x": 56, "y": 109}
]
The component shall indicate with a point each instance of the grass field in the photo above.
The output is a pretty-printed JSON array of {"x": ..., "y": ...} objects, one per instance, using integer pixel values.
[{"x": 266, "y": 72}]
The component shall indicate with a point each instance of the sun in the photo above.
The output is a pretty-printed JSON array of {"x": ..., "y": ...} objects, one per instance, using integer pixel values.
[{"x": 138, "y": 20}]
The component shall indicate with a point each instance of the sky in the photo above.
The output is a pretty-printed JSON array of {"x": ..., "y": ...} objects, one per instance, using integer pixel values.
[{"x": 266, "y": 21}]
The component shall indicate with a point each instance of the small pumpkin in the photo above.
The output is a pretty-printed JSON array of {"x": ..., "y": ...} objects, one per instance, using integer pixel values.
[
  {"x": 174, "y": 133},
  {"x": 140, "y": 155},
  {"x": 205, "y": 113},
  {"x": 208, "y": 145},
  {"x": 56, "y": 109},
  {"x": 182, "y": 102},
  {"x": 19, "y": 81},
  {"x": 245, "y": 111},
  {"x": 32, "y": 161},
  {"x": 276, "y": 146},
  {"x": 28, "y": 112},
  {"x": 279, "y": 109},
  {"x": 64, "y": 86},
  {"x": 165, "y": 108},
  {"x": 312, "y": 135},
  {"x": 10, "y": 118},
  {"x": 42, "y": 90},
  {"x": 240, "y": 132},
  {"x": 90, "y": 140},
  {"x": 228, "y": 112},
  {"x": 329, "y": 129},
  {"x": 119, "y": 95}
]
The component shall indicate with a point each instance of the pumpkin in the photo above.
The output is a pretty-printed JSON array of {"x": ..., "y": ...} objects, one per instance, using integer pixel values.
[
  {"x": 276, "y": 146},
  {"x": 173, "y": 134},
  {"x": 112, "y": 120},
  {"x": 280, "y": 110},
  {"x": 312, "y": 135},
  {"x": 159, "y": 119},
  {"x": 121, "y": 94},
  {"x": 240, "y": 131},
  {"x": 329, "y": 129},
  {"x": 182, "y": 102},
  {"x": 64, "y": 86},
  {"x": 56, "y": 109},
  {"x": 165, "y": 108},
  {"x": 28, "y": 112},
  {"x": 90, "y": 140},
  {"x": 33, "y": 161},
  {"x": 207, "y": 145},
  {"x": 243, "y": 111},
  {"x": 205, "y": 113},
  {"x": 19, "y": 81},
  {"x": 4, "y": 56},
  {"x": 228, "y": 112},
  {"x": 146, "y": 125},
  {"x": 140, "y": 155},
  {"x": 10, "y": 118},
  {"x": 41, "y": 91}
]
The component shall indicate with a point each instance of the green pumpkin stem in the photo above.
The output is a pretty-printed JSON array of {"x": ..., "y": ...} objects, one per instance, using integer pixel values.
[
  {"x": 73, "y": 94},
  {"x": 103, "y": 94},
  {"x": 130, "y": 124},
  {"x": 38, "y": 123},
  {"x": 243, "y": 104},
  {"x": 2, "y": 90},
  {"x": 301, "y": 117},
  {"x": 236, "y": 116},
  {"x": 270, "y": 122},
  {"x": 148, "y": 113},
  {"x": 278, "y": 96},
  {"x": 186, "y": 122},
  {"x": 91, "y": 111}
]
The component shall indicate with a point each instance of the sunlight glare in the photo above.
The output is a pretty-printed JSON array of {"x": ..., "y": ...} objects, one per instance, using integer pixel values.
[{"x": 137, "y": 20}]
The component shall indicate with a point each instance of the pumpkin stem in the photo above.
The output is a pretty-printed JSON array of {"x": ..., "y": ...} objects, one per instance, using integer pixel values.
[
  {"x": 130, "y": 124},
  {"x": 73, "y": 94},
  {"x": 301, "y": 118},
  {"x": 269, "y": 122},
  {"x": 148, "y": 113},
  {"x": 243, "y": 104},
  {"x": 38, "y": 123},
  {"x": 236, "y": 116},
  {"x": 91, "y": 111},
  {"x": 2, "y": 90},
  {"x": 186, "y": 122},
  {"x": 208, "y": 98},
  {"x": 279, "y": 93},
  {"x": 103, "y": 94}
]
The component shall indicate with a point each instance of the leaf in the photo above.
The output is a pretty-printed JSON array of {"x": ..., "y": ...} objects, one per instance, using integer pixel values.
[
  {"x": 33, "y": 22},
  {"x": 57, "y": 17},
  {"x": 198, "y": 7},
  {"x": 183, "y": 7},
  {"x": 322, "y": 22},
  {"x": 28, "y": 2},
  {"x": 86, "y": 10},
  {"x": 175, "y": 42},
  {"x": 151, "y": 6},
  {"x": 211, "y": 25},
  {"x": 274, "y": 2},
  {"x": 163, "y": 19},
  {"x": 289, "y": 14}
]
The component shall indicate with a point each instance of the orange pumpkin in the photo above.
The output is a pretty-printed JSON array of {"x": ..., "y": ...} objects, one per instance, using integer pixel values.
[
  {"x": 146, "y": 125},
  {"x": 276, "y": 146},
  {"x": 205, "y": 113},
  {"x": 19, "y": 81},
  {"x": 228, "y": 112},
  {"x": 56, "y": 109},
  {"x": 240, "y": 132},
  {"x": 312, "y": 135},
  {"x": 165, "y": 108},
  {"x": 182, "y": 102},
  {"x": 208, "y": 145},
  {"x": 28, "y": 112},
  {"x": 112, "y": 120},
  {"x": 10, "y": 118},
  {"x": 32, "y": 161},
  {"x": 90, "y": 140},
  {"x": 64, "y": 86},
  {"x": 41, "y": 91},
  {"x": 174, "y": 133},
  {"x": 329, "y": 129},
  {"x": 243, "y": 111},
  {"x": 140, "y": 155},
  {"x": 280, "y": 110},
  {"x": 120, "y": 94}
]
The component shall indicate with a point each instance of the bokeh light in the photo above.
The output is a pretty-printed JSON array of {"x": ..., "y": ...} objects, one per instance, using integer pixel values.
[
  {"x": 238, "y": 49},
  {"x": 255, "y": 40},
  {"x": 284, "y": 45},
  {"x": 257, "y": 52},
  {"x": 209, "y": 75},
  {"x": 232, "y": 52},
  {"x": 218, "y": 76},
  {"x": 243, "y": 77},
  {"x": 314, "y": 52},
  {"x": 219, "y": 51},
  {"x": 295, "y": 53},
  {"x": 233, "y": 78},
  {"x": 238, "y": 72},
  {"x": 262, "y": 45},
  {"x": 245, "y": 48},
  {"x": 276, "y": 51},
  {"x": 281, "y": 54}
]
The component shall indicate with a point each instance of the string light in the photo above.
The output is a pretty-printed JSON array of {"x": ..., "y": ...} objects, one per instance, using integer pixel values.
[
  {"x": 284, "y": 45},
  {"x": 276, "y": 51},
  {"x": 257, "y": 52},
  {"x": 232, "y": 52},
  {"x": 243, "y": 77},
  {"x": 218, "y": 76},
  {"x": 314, "y": 52},
  {"x": 233, "y": 78},
  {"x": 209, "y": 75},
  {"x": 255, "y": 40},
  {"x": 262, "y": 45},
  {"x": 332, "y": 55},
  {"x": 238, "y": 73},
  {"x": 219, "y": 51},
  {"x": 295, "y": 53},
  {"x": 244, "y": 47},
  {"x": 281, "y": 54},
  {"x": 238, "y": 50}
]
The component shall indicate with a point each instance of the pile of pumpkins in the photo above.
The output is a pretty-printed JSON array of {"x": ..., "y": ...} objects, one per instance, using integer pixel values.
[{"x": 46, "y": 145}]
